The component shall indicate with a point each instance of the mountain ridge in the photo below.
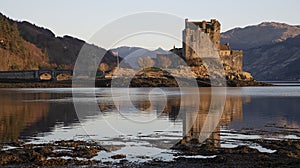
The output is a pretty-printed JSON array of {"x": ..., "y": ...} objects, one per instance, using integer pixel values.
[
  {"x": 279, "y": 61},
  {"x": 257, "y": 35}
]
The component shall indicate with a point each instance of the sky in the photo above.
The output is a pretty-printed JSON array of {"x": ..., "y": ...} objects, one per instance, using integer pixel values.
[{"x": 83, "y": 19}]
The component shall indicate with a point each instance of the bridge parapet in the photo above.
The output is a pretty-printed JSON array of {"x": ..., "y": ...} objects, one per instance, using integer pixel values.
[{"x": 32, "y": 75}]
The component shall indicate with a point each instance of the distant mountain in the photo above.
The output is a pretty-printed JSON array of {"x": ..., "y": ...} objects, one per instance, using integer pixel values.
[
  {"x": 131, "y": 54},
  {"x": 280, "y": 61},
  {"x": 124, "y": 50},
  {"x": 259, "y": 35}
]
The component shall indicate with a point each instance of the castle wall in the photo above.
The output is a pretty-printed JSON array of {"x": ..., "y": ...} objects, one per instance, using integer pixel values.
[{"x": 234, "y": 60}]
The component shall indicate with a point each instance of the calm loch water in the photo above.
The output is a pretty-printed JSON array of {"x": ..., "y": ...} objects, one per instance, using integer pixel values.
[{"x": 148, "y": 122}]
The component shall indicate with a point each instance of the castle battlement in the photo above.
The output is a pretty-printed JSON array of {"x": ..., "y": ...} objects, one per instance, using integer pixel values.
[{"x": 204, "y": 25}]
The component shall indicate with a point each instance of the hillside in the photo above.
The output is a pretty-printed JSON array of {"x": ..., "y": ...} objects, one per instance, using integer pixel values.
[
  {"x": 278, "y": 61},
  {"x": 15, "y": 52},
  {"x": 27, "y": 46},
  {"x": 259, "y": 35},
  {"x": 62, "y": 51}
]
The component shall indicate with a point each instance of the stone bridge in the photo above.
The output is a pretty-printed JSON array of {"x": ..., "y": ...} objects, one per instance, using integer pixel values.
[{"x": 33, "y": 75}]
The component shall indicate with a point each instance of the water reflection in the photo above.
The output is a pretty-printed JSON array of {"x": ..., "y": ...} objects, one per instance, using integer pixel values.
[
  {"x": 22, "y": 117},
  {"x": 15, "y": 115},
  {"x": 25, "y": 114}
]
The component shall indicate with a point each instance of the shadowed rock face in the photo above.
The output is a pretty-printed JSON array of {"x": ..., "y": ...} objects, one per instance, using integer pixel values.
[{"x": 258, "y": 35}]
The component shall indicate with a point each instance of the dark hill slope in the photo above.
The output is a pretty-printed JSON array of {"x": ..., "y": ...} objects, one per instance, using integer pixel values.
[
  {"x": 280, "y": 61},
  {"x": 258, "y": 35},
  {"x": 62, "y": 51}
]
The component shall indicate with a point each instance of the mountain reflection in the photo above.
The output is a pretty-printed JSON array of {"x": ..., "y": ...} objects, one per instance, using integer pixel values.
[
  {"x": 24, "y": 114},
  {"x": 16, "y": 115}
]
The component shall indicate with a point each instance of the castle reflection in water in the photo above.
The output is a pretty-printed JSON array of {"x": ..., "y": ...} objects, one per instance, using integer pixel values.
[
  {"x": 203, "y": 124},
  {"x": 21, "y": 117}
]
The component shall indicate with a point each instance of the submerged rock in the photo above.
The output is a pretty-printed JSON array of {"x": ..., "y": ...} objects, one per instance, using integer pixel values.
[
  {"x": 51, "y": 154},
  {"x": 118, "y": 156}
]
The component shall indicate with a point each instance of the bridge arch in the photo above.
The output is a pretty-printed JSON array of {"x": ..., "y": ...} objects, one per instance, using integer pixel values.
[
  {"x": 54, "y": 75},
  {"x": 45, "y": 76},
  {"x": 60, "y": 75}
]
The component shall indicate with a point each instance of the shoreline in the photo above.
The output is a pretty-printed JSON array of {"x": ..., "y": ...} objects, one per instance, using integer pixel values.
[
  {"x": 136, "y": 82},
  {"x": 78, "y": 153}
]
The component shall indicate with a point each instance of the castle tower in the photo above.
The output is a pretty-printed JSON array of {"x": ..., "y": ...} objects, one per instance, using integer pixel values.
[
  {"x": 191, "y": 37},
  {"x": 193, "y": 42}
]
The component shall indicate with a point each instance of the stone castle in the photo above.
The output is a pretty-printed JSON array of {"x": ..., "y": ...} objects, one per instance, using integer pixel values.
[{"x": 191, "y": 42}]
